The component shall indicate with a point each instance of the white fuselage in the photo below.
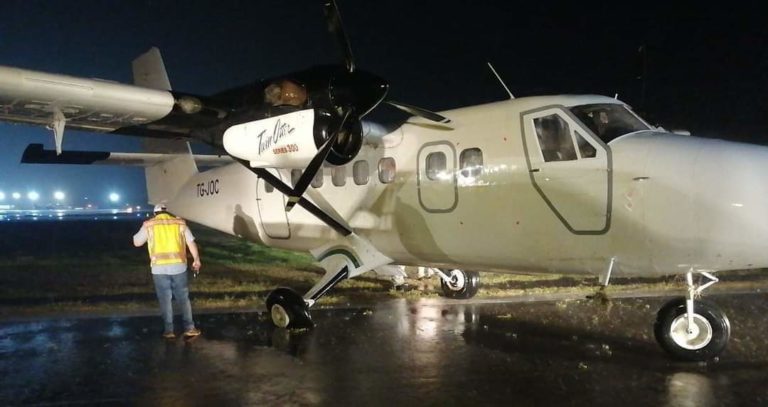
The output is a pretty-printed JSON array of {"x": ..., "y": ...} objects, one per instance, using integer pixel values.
[{"x": 655, "y": 202}]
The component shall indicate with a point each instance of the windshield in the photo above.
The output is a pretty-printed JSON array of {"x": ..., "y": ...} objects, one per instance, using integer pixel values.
[{"x": 608, "y": 121}]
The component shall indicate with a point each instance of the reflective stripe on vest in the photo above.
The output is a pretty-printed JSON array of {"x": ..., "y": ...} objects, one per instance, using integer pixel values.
[{"x": 165, "y": 240}]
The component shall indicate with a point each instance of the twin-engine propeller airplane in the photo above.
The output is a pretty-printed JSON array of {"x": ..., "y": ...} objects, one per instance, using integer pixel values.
[{"x": 558, "y": 184}]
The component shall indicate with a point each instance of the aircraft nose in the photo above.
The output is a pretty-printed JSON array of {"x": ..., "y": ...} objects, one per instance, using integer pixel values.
[{"x": 731, "y": 202}]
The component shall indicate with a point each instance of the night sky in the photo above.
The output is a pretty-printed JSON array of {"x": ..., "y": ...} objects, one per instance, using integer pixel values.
[{"x": 707, "y": 67}]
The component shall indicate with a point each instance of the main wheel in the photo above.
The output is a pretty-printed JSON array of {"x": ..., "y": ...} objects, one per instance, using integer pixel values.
[
  {"x": 288, "y": 309},
  {"x": 703, "y": 340},
  {"x": 463, "y": 284}
]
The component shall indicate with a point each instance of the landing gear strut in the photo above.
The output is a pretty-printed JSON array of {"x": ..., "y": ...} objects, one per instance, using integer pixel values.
[
  {"x": 459, "y": 284},
  {"x": 691, "y": 329}
]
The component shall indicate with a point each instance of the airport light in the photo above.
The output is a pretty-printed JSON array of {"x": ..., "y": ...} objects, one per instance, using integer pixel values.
[
  {"x": 16, "y": 196},
  {"x": 59, "y": 195},
  {"x": 2, "y": 196},
  {"x": 33, "y": 196},
  {"x": 114, "y": 197}
]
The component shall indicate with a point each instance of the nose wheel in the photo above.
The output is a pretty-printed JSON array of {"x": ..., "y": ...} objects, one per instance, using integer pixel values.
[
  {"x": 459, "y": 284},
  {"x": 288, "y": 309},
  {"x": 699, "y": 338},
  {"x": 690, "y": 329}
]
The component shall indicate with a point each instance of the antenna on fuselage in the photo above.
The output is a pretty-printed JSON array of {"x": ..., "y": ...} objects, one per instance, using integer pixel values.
[{"x": 511, "y": 96}]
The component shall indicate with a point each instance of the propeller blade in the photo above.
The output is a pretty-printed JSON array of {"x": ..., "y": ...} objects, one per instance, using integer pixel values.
[
  {"x": 417, "y": 111},
  {"x": 314, "y": 166},
  {"x": 336, "y": 26},
  {"x": 328, "y": 218}
]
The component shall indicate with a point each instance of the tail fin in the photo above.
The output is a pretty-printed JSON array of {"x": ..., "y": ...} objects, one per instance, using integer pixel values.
[{"x": 165, "y": 179}]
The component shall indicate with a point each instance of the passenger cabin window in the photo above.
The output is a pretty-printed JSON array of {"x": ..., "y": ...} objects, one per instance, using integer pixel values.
[
  {"x": 317, "y": 182},
  {"x": 471, "y": 162},
  {"x": 554, "y": 138},
  {"x": 295, "y": 175},
  {"x": 387, "y": 169},
  {"x": 339, "y": 175},
  {"x": 360, "y": 172},
  {"x": 436, "y": 165}
]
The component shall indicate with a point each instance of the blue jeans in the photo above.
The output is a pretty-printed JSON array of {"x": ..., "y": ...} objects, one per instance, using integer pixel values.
[{"x": 176, "y": 285}]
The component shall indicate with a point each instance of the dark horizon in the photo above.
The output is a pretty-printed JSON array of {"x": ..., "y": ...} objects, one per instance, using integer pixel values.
[{"x": 705, "y": 69}]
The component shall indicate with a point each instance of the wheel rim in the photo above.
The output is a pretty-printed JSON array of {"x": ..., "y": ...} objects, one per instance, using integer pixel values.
[
  {"x": 280, "y": 316},
  {"x": 699, "y": 336},
  {"x": 458, "y": 280}
]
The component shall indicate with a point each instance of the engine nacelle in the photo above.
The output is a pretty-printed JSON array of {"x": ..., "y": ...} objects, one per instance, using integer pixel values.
[{"x": 291, "y": 140}]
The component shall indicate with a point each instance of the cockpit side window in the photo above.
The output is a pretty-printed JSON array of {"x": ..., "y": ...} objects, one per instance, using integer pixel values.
[
  {"x": 608, "y": 121},
  {"x": 585, "y": 149},
  {"x": 554, "y": 138}
]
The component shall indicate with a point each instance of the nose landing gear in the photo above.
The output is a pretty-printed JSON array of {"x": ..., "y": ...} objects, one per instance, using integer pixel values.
[
  {"x": 459, "y": 284},
  {"x": 690, "y": 329}
]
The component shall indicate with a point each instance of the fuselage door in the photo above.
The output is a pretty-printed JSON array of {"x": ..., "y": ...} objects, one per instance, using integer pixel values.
[
  {"x": 570, "y": 168},
  {"x": 271, "y": 203},
  {"x": 436, "y": 180}
]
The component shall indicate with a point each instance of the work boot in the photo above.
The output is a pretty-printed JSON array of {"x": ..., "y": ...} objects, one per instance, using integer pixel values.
[
  {"x": 192, "y": 332},
  {"x": 169, "y": 335}
]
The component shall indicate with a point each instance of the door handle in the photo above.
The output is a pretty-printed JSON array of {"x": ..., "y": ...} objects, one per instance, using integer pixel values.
[{"x": 536, "y": 170}]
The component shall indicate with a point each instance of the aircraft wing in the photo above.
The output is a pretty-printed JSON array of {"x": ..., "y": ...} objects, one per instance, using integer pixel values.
[
  {"x": 89, "y": 104},
  {"x": 61, "y": 101}
]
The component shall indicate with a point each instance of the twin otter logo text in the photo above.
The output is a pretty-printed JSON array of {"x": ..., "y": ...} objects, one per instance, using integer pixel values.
[{"x": 280, "y": 131}]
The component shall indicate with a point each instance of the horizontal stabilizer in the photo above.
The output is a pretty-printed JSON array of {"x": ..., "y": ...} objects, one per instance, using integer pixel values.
[{"x": 36, "y": 154}]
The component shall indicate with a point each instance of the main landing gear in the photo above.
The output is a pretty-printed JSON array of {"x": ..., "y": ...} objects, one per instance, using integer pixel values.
[
  {"x": 289, "y": 309},
  {"x": 459, "y": 284},
  {"x": 690, "y": 329}
]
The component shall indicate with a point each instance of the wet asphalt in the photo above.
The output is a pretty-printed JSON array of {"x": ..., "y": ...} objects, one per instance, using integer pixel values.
[{"x": 398, "y": 352}]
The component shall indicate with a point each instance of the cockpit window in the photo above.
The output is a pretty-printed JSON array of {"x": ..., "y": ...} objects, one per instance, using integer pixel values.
[
  {"x": 554, "y": 138},
  {"x": 608, "y": 121},
  {"x": 585, "y": 149}
]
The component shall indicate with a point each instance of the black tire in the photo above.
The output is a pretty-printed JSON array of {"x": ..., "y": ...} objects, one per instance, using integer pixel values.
[
  {"x": 290, "y": 304},
  {"x": 712, "y": 324},
  {"x": 467, "y": 290}
]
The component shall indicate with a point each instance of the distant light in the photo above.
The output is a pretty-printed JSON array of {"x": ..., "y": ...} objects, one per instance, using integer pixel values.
[
  {"x": 16, "y": 196},
  {"x": 2, "y": 196},
  {"x": 113, "y": 197},
  {"x": 59, "y": 196},
  {"x": 33, "y": 196}
]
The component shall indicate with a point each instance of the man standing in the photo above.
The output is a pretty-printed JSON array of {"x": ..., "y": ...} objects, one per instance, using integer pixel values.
[{"x": 168, "y": 238}]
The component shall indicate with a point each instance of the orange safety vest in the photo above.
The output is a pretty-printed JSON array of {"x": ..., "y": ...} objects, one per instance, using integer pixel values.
[{"x": 165, "y": 240}]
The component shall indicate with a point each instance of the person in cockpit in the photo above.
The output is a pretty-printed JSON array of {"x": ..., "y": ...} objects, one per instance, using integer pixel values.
[{"x": 285, "y": 93}]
